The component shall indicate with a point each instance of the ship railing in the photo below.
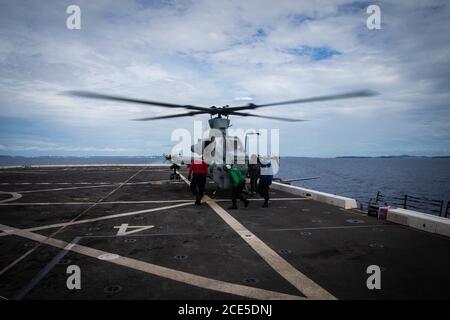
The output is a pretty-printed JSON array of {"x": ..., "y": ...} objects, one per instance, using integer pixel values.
[{"x": 405, "y": 201}]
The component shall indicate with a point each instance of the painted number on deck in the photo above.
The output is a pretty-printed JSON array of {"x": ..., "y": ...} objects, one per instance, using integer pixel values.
[{"x": 124, "y": 229}]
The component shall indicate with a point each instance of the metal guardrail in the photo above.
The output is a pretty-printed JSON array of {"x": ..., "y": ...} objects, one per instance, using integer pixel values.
[{"x": 421, "y": 204}]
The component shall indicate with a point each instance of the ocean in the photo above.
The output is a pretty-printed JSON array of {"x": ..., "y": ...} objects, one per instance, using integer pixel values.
[
  {"x": 358, "y": 178},
  {"x": 362, "y": 178}
]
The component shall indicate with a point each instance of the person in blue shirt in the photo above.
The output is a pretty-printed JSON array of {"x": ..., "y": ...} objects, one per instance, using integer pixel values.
[{"x": 265, "y": 179}]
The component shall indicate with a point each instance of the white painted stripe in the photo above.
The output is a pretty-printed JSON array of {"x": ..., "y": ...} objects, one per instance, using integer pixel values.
[
  {"x": 180, "y": 276},
  {"x": 271, "y": 199},
  {"x": 176, "y": 234},
  {"x": 87, "y": 185},
  {"x": 134, "y": 202},
  {"x": 14, "y": 196},
  {"x": 123, "y": 229},
  {"x": 113, "y": 216},
  {"x": 87, "y": 209},
  {"x": 87, "y": 203},
  {"x": 330, "y": 228},
  {"x": 25, "y": 171},
  {"x": 71, "y": 188},
  {"x": 304, "y": 284}
]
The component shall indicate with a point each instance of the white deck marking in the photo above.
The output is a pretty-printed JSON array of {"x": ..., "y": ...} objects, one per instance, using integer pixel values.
[
  {"x": 304, "y": 284},
  {"x": 83, "y": 212},
  {"x": 14, "y": 196},
  {"x": 271, "y": 199},
  {"x": 113, "y": 216},
  {"x": 108, "y": 256},
  {"x": 123, "y": 229},
  {"x": 180, "y": 276},
  {"x": 88, "y": 185},
  {"x": 330, "y": 228},
  {"x": 27, "y": 172},
  {"x": 135, "y": 202},
  {"x": 176, "y": 234},
  {"x": 90, "y": 202},
  {"x": 71, "y": 188}
]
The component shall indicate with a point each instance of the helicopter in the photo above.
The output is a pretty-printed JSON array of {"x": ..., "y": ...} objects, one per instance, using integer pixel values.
[{"x": 219, "y": 144}]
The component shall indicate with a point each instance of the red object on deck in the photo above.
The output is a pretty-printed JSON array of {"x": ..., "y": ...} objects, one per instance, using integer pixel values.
[{"x": 382, "y": 213}]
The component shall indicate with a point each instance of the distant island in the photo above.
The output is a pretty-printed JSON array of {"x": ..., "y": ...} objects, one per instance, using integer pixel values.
[
  {"x": 55, "y": 160},
  {"x": 6, "y": 160},
  {"x": 391, "y": 157}
]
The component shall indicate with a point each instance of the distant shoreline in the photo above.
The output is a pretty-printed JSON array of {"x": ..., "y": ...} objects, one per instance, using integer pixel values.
[
  {"x": 62, "y": 160},
  {"x": 393, "y": 157},
  {"x": 157, "y": 156}
]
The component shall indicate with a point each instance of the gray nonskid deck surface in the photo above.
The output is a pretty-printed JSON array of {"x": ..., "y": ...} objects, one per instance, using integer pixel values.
[{"x": 198, "y": 252}]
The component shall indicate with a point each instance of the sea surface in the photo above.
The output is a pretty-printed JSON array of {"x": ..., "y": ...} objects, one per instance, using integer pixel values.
[
  {"x": 358, "y": 178},
  {"x": 362, "y": 178}
]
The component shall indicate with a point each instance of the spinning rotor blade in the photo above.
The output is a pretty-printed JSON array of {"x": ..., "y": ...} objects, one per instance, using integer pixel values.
[
  {"x": 92, "y": 95},
  {"x": 187, "y": 114},
  {"x": 245, "y": 114},
  {"x": 348, "y": 95}
]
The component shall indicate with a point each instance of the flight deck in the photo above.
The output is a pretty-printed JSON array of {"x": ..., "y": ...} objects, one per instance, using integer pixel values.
[{"x": 135, "y": 234}]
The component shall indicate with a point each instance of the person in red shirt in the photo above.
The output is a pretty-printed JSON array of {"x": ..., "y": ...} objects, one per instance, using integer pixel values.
[{"x": 198, "y": 170}]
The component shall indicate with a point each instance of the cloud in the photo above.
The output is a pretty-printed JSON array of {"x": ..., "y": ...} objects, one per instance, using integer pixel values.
[
  {"x": 218, "y": 53},
  {"x": 243, "y": 98}
]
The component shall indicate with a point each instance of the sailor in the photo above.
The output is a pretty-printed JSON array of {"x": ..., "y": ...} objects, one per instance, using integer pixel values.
[
  {"x": 265, "y": 179},
  {"x": 237, "y": 186},
  {"x": 198, "y": 170},
  {"x": 253, "y": 171}
]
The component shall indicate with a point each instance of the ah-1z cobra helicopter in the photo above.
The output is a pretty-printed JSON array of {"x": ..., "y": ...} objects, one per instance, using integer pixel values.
[{"x": 219, "y": 122}]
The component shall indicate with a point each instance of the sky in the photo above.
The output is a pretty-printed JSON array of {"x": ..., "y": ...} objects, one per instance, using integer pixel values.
[{"x": 225, "y": 53}]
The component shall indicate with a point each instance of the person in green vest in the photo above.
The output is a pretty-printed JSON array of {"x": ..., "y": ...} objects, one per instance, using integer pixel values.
[{"x": 237, "y": 186}]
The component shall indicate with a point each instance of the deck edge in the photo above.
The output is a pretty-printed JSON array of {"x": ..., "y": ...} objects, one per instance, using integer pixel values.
[{"x": 335, "y": 200}]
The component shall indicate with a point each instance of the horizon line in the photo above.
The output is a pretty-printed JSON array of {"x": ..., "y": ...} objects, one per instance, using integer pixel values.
[{"x": 286, "y": 156}]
